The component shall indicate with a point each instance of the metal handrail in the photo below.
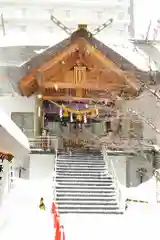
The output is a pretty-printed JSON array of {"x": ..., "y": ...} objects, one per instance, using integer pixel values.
[
  {"x": 44, "y": 142},
  {"x": 118, "y": 190},
  {"x": 55, "y": 169}
]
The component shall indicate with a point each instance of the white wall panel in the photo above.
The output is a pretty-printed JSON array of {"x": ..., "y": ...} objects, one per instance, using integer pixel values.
[
  {"x": 11, "y": 104},
  {"x": 41, "y": 166}
]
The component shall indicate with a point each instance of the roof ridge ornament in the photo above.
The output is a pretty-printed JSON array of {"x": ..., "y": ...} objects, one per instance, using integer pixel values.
[{"x": 81, "y": 26}]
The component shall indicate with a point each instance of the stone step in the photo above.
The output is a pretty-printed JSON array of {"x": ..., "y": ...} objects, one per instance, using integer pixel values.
[
  {"x": 99, "y": 195},
  {"x": 84, "y": 184},
  {"x": 66, "y": 164},
  {"x": 81, "y": 174},
  {"x": 82, "y": 168},
  {"x": 81, "y": 164},
  {"x": 83, "y": 180},
  {"x": 96, "y": 207},
  {"x": 76, "y": 187},
  {"x": 90, "y": 191},
  {"x": 81, "y": 155},
  {"x": 79, "y": 168},
  {"x": 87, "y": 178},
  {"x": 80, "y": 159},
  {"x": 64, "y": 170},
  {"x": 86, "y": 199},
  {"x": 80, "y": 211},
  {"x": 85, "y": 203}
]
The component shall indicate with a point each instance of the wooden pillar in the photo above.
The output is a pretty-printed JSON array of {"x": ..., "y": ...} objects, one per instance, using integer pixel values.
[{"x": 38, "y": 116}]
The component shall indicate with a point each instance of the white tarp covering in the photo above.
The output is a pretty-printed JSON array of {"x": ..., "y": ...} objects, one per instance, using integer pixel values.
[{"x": 12, "y": 139}]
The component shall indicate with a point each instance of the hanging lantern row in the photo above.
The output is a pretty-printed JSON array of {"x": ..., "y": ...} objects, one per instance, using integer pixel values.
[{"x": 6, "y": 156}]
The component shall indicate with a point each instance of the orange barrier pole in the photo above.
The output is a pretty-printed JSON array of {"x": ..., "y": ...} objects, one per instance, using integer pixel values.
[
  {"x": 58, "y": 232},
  {"x": 53, "y": 207},
  {"x": 62, "y": 233},
  {"x": 54, "y": 211}
]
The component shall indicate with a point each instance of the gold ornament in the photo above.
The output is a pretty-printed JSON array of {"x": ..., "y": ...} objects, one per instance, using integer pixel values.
[{"x": 65, "y": 114}]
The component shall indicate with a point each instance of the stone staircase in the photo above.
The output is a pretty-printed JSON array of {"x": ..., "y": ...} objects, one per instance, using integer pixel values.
[{"x": 83, "y": 185}]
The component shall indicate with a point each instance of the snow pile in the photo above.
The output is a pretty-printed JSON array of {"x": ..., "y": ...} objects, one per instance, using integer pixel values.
[{"x": 145, "y": 192}]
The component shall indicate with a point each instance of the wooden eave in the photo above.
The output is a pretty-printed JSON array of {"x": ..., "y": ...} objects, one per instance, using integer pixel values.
[{"x": 101, "y": 72}]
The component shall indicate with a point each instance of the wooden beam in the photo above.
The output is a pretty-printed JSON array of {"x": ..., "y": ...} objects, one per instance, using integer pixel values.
[
  {"x": 28, "y": 85},
  {"x": 65, "y": 85},
  {"x": 67, "y": 98}
]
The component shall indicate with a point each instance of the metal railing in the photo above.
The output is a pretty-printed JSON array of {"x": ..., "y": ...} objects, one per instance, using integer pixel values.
[
  {"x": 111, "y": 169},
  {"x": 44, "y": 143},
  {"x": 54, "y": 173}
]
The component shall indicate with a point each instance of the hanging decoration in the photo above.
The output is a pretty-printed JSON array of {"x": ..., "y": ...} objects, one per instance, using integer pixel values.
[
  {"x": 71, "y": 117},
  {"x": 6, "y": 156},
  {"x": 60, "y": 112},
  {"x": 85, "y": 118},
  {"x": 80, "y": 115}
]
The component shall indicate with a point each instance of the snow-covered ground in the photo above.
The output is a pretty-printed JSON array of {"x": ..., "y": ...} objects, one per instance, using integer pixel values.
[
  {"x": 20, "y": 217},
  {"x": 145, "y": 192}
]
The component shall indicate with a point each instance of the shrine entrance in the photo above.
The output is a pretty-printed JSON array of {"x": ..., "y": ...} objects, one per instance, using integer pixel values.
[{"x": 77, "y": 87}]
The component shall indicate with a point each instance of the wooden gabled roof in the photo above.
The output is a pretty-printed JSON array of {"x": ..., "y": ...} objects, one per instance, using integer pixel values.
[{"x": 78, "y": 63}]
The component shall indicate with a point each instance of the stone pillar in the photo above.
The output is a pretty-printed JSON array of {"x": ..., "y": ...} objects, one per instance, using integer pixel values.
[
  {"x": 157, "y": 166},
  {"x": 38, "y": 124}
]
